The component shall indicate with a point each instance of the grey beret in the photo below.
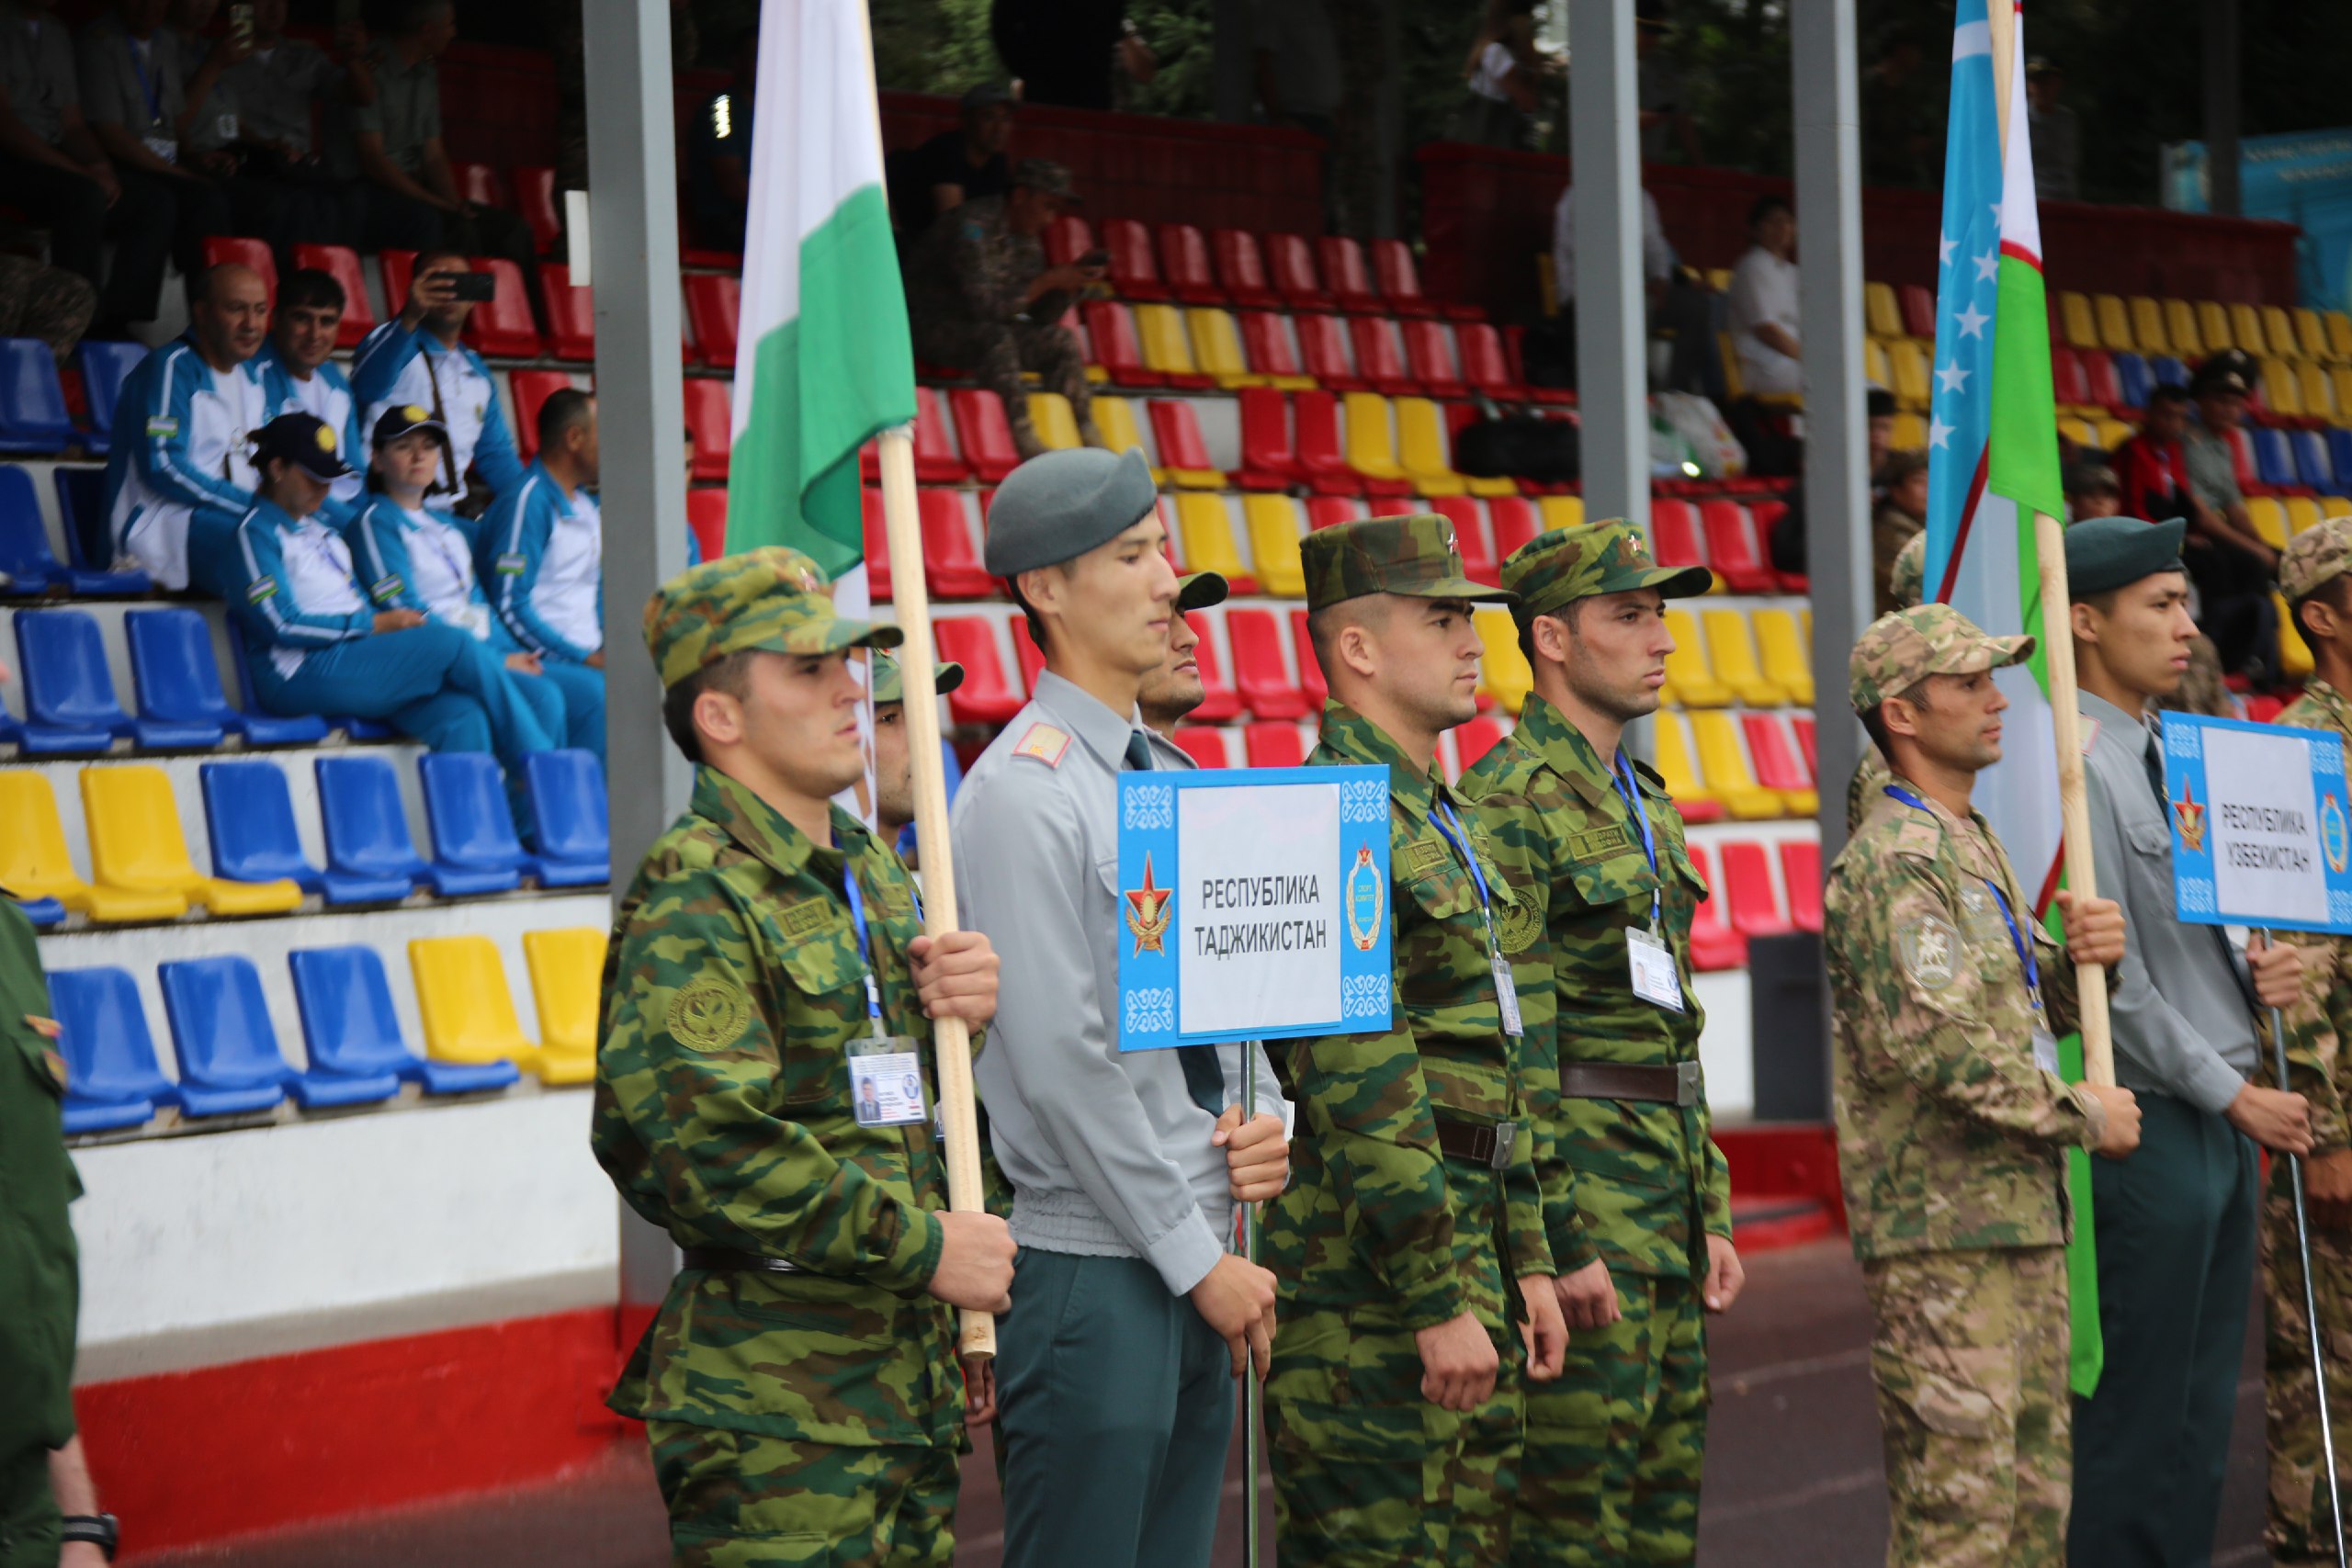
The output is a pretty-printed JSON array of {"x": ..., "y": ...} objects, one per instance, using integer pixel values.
[
  {"x": 1059, "y": 506},
  {"x": 2105, "y": 553}
]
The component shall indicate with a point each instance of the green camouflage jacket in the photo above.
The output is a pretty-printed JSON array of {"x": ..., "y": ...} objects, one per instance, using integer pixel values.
[
  {"x": 1373, "y": 1211},
  {"x": 723, "y": 1113},
  {"x": 1648, "y": 1181},
  {"x": 1950, "y": 1138},
  {"x": 2315, "y": 1026}
]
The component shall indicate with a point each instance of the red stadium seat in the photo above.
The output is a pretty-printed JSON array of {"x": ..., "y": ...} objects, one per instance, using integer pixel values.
[
  {"x": 1292, "y": 264},
  {"x": 706, "y": 515},
  {"x": 2067, "y": 381},
  {"x": 1274, "y": 746},
  {"x": 1714, "y": 946},
  {"x": 1800, "y": 870},
  {"x": 1310, "y": 671},
  {"x": 1241, "y": 267},
  {"x": 1223, "y": 702},
  {"x": 1259, "y": 672},
  {"x": 535, "y": 197},
  {"x": 1398, "y": 279},
  {"x": 223, "y": 249},
  {"x": 1803, "y": 724},
  {"x": 1323, "y": 345},
  {"x": 1185, "y": 263},
  {"x": 342, "y": 263},
  {"x": 1516, "y": 521},
  {"x": 711, "y": 416},
  {"x": 399, "y": 268},
  {"x": 571, "y": 314},
  {"x": 1378, "y": 364},
  {"x": 877, "y": 548},
  {"x": 935, "y": 459},
  {"x": 1331, "y": 511},
  {"x": 1773, "y": 756},
  {"x": 714, "y": 303},
  {"x": 532, "y": 387},
  {"x": 1429, "y": 356},
  {"x": 1474, "y": 740},
  {"x": 1755, "y": 909},
  {"x": 1068, "y": 238},
  {"x": 1393, "y": 506},
  {"x": 951, "y": 562},
  {"x": 2106, "y": 386},
  {"x": 1469, "y": 537},
  {"x": 1674, "y": 534},
  {"x": 503, "y": 327},
  {"x": 1733, "y": 550},
  {"x": 1767, "y": 515},
  {"x": 1203, "y": 743},
  {"x": 1026, "y": 649},
  {"x": 1919, "y": 309},
  {"x": 1321, "y": 455},
  {"x": 987, "y": 438},
  {"x": 1176, "y": 430},
  {"x": 1135, "y": 271},
  {"x": 480, "y": 182},
  {"x": 1265, "y": 344},
  {"x": 1268, "y": 459},
  {"x": 986, "y": 695},
  {"x": 1112, "y": 332},
  {"x": 1483, "y": 365},
  {"x": 1346, "y": 277}
]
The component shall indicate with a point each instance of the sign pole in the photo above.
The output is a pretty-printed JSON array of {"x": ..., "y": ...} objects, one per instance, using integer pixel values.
[
  {"x": 2074, "y": 804},
  {"x": 1252, "y": 1391},
  {"x": 918, "y": 666}
]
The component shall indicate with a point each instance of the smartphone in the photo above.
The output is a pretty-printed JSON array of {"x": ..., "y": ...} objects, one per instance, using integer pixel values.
[
  {"x": 1093, "y": 258},
  {"x": 474, "y": 287},
  {"x": 241, "y": 24}
]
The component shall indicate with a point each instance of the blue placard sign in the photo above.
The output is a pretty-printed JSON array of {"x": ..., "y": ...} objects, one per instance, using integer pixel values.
[
  {"x": 2259, "y": 832},
  {"x": 1254, "y": 904}
]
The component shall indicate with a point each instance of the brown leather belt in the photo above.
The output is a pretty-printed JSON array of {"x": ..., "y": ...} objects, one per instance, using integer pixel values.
[
  {"x": 1480, "y": 1143},
  {"x": 1680, "y": 1084},
  {"x": 724, "y": 1258}
]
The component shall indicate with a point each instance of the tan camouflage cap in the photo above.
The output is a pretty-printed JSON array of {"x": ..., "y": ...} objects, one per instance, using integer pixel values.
[
  {"x": 1414, "y": 556},
  {"x": 769, "y": 598},
  {"x": 1608, "y": 556},
  {"x": 1045, "y": 175},
  {"x": 1906, "y": 580},
  {"x": 2317, "y": 554},
  {"x": 890, "y": 683},
  {"x": 1904, "y": 648}
]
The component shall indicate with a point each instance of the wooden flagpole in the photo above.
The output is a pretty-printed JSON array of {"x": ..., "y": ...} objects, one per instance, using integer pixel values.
[{"x": 918, "y": 666}]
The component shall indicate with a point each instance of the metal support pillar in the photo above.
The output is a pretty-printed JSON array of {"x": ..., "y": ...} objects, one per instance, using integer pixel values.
[
  {"x": 2222, "y": 106},
  {"x": 1611, "y": 316}
]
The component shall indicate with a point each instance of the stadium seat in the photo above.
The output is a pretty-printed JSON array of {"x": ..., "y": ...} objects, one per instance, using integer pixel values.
[
  {"x": 706, "y": 519},
  {"x": 1026, "y": 651},
  {"x": 571, "y": 815},
  {"x": 27, "y": 565},
  {"x": 2113, "y": 318},
  {"x": 2311, "y": 333},
  {"x": 1714, "y": 946},
  {"x": 81, "y": 507},
  {"x": 222, "y": 1033},
  {"x": 1260, "y": 675},
  {"x": 1204, "y": 743},
  {"x": 951, "y": 565},
  {"x": 2274, "y": 462},
  {"x": 136, "y": 847},
  {"x": 1167, "y": 351},
  {"x": 714, "y": 304},
  {"x": 1690, "y": 680},
  {"x": 2148, "y": 333},
  {"x": 2248, "y": 329},
  {"x": 1216, "y": 345},
  {"x": 1111, "y": 329},
  {"x": 1801, "y": 723},
  {"x": 503, "y": 327},
  {"x": 475, "y": 848},
  {"x": 1135, "y": 271},
  {"x": 1472, "y": 739},
  {"x": 1674, "y": 765},
  {"x": 1241, "y": 268},
  {"x": 532, "y": 388},
  {"x": 535, "y": 198},
  {"x": 2339, "y": 334},
  {"x": 2318, "y": 392},
  {"x": 1371, "y": 445},
  {"x": 1515, "y": 522},
  {"x": 1725, "y": 765},
  {"x": 983, "y": 433},
  {"x": 249, "y": 819},
  {"x": 2134, "y": 380},
  {"x": 1323, "y": 349},
  {"x": 1184, "y": 265},
  {"x": 1290, "y": 263},
  {"x": 1341, "y": 260},
  {"x": 2218, "y": 330},
  {"x": 567, "y": 970},
  {"x": 112, "y": 1079},
  {"x": 1485, "y": 370},
  {"x": 1753, "y": 906},
  {"x": 1732, "y": 653},
  {"x": 33, "y": 416},
  {"x": 342, "y": 263},
  {"x": 34, "y": 865},
  {"x": 2339, "y": 452},
  {"x": 1766, "y": 516},
  {"x": 1881, "y": 315},
  {"x": 2106, "y": 386},
  {"x": 1429, "y": 356},
  {"x": 365, "y": 824},
  {"x": 350, "y": 1029},
  {"x": 1478, "y": 558},
  {"x": 1204, "y": 532},
  {"x": 479, "y": 184},
  {"x": 1222, "y": 701},
  {"x": 103, "y": 365},
  {"x": 2312, "y": 471},
  {"x": 1310, "y": 671},
  {"x": 2181, "y": 333},
  {"x": 710, "y": 418},
  {"x": 1273, "y": 524},
  {"x": 1422, "y": 450},
  {"x": 2270, "y": 520},
  {"x": 1779, "y": 767},
  {"x": 463, "y": 1000},
  {"x": 1733, "y": 549},
  {"x": 2303, "y": 513},
  {"x": 2075, "y": 314},
  {"x": 1782, "y": 647},
  {"x": 1918, "y": 302},
  {"x": 1269, "y": 460},
  {"x": 1274, "y": 746},
  {"x": 2067, "y": 382},
  {"x": 1906, "y": 361},
  {"x": 987, "y": 696},
  {"x": 70, "y": 706},
  {"x": 2167, "y": 370},
  {"x": 222, "y": 250},
  {"x": 2294, "y": 653},
  {"x": 1380, "y": 364},
  {"x": 571, "y": 314},
  {"x": 1183, "y": 456},
  {"x": 1055, "y": 422},
  {"x": 1398, "y": 279},
  {"x": 1331, "y": 511},
  {"x": 1561, "y": 512},
  {"x": 935, "y": 459},
  {"x": 1067, "y": 238},
  {"x": 1507, "y": 677},
  {"x": 1271, "y": 354},
  {"x": 2279, "y": 328},
  {"x": 1674, "y": 537}
]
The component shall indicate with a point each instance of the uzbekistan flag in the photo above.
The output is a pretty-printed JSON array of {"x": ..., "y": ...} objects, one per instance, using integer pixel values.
[{"x": 827, "y": 361}]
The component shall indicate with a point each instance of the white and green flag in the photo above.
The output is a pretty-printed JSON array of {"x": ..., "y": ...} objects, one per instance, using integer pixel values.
[{"x": 825, "y": 361}]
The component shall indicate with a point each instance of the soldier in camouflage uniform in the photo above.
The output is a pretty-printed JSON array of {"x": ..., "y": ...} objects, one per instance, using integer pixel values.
[
  {"x": 46, "y": 302},
  {"x": 1870, "y": 774},
  {"x": 1952, "y": 1122},
  {"x": 2319, "y": 594},
  {"x": 799, "y": 1383},
  {"x": 1413, "y": 1237},
  {"x": 1639, "y": 1214},
  {"x": 981, "y": 299}
]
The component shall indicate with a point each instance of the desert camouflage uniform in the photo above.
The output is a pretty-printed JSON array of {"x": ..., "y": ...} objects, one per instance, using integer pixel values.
[
  {"x": 46, "y": 302},
  {"x": 1951, "y": 1141},
  {"x": 811, "y": 1416}
]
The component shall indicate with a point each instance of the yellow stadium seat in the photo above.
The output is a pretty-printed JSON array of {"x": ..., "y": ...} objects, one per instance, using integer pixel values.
[
  {"x": 1719, "y": 279},
  {"x": 1674, "y": 764},
  {"x": 1690, "y": 680},
  {"x": 566, "y": 982},
  {"x": 2270, "y": 520},
  {"x": 1875, "y": 368},
  {"x": 462, "y": 997},
  {"x": 2213, "y": 327},
  {"x": 2181, "y": 327},
  {"x": 2311, "y": 333},
  {"x": 1204, "y": 529},
  {"x": 1115, "y": 418},
  {"x": 1507, "y": 677},
  {"x": 1050, "y": 416},
  {"x": 34, "y": 862},
  {"x": 1725, "y": 765},
  {"x": 2339, "y": 381},
  {"x": 2075, "y": 316},
  {"x": 2081, "y": 432},
  {"x": 2148, "y": 325},
  {"x": 2312, "y": 387},
  {"x": 2247, "y": 331},
  {"x": 2112, "y": 433},
  {"x": 2294, "y": 653},
  {"x": 2339, "y": 334},
  {"x": 1561, "y": 512},
  {"x": 1425, "y": 447},
  {"x": 1274, "y": 524},
  {"x": 2114, "y": 321},
  {"x": 1910, "y": 431},
  {"x": 1372, "y": 446},
  {"x": 1220, "y": 343},
  {"x": 2280, "y": 330},
  {"x": 136, "y": 847},
  {"x": 1787, "y": 664},
  {"x": 1881, "y": 314},
  {"x": 1908, "y": 361},
  {"x": 1548, "y": 288},
  {"x": 2303, "y": 513},
  {"x": 2280, "y": 389},
  {"x": 1160, "y": 331},
  {"x": 2335, "y": 506},
  {"x": 1732, "y": 651}
]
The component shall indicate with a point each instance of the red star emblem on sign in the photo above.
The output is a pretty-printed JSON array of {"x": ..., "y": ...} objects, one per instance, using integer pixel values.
[{"x": 1148, "y": 913}]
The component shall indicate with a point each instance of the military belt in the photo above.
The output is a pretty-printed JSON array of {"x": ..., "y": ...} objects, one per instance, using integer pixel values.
[
  {"x": 724, "y": 1258},
  {"x": 1680, "y": 1084},
  {"x": 1481, "y": 1142}
]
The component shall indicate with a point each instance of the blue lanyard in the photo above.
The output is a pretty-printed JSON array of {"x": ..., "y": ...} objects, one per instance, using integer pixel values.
[
  {"x": 155, "y": 103},
  {"x": 1633, "y": 794},
  {"x": 864, "y": 949},
  {"x": 2017, "y": 937},
  {"x": 1451, "y": 831}
]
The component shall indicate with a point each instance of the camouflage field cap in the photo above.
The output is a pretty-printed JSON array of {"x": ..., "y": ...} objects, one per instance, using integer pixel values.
[
  {"x": 1609, "y": 556},
  {"x": 1907, "y": 579},
  {"x": 1199, "y": 590},
  {"x": 1046, "y": 177},
  {"x": 2317, "y": 554},
  {"x": 1415, "y": 556},
  {"x": 1904, "y": 648},
  {"x": 769, "y": 598},
  {"x": 889, "y": 680}
]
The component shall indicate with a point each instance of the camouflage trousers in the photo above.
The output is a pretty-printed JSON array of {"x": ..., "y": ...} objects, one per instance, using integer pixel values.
[
  {"x": 739, "y": 1500},
  {"x": 996, "y": 353},
  {"x": 1370, "y": 1474},
  {"x": 46, "y": 302},
  {"x": 1970, "y": 1360},
  {"x": 2297, "y": 1532},
  {"x": 1615, "y": 1448}
]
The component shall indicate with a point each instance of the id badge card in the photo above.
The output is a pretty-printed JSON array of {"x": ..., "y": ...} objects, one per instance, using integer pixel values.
[
  {"x": 1651, "y": 961},
  {"x": 163, "y": 147},
  {"x": 2045, "y": 1049},
  {"x": 1506, "y": 991},
  {"x": 886, "y": 1082}
]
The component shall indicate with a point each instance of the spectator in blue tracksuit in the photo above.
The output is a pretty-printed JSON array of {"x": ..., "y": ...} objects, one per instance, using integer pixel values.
[
  {"x": 540, "y": 554},
  {"x": 417, "y": 358},
  {"x": 412, "y": 556},
  {"x": 178, "y": 465},
  {"x": 298, "y": 374},
  {"x": 313, "y": 646}
]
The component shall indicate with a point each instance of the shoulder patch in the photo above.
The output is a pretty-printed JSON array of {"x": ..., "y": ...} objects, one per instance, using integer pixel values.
[
  {"x": 1519, "y": 923},
  {"x": 510, "y": 565},
  {"x": 2090, "y": 735},
  {"x": 1930, "y": 950},
  {"x": 805, "y": 918},
  {"x": 1042, "y": 743},
  {"x": 387, "y": 587},
  {"x": 1597, "y": 844},
  {"x": 709, "y": 1014},
  {"x": 265, "y": 588},
  {"x": 163, "y": 429}
]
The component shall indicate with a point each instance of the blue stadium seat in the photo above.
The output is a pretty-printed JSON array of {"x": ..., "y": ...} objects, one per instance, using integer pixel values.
[
  {"x": 25, "y": 554},
  {"x": 226, "y": 1043},
  {"x": 32, "y": 400},
  {"x": 249, "y": 812},
  {"x": 104, "y": 366},
  {"x": 2312, "y": 470},
  {"x": 2131, "y": 373},
  {"x": 367, "y": 827},
  {"x": 69, "y": 706},
  {"x": 2273, "y": 465},
  {"x": 350, "y": 1028},
  {"x": 179, "y": 683},
  {"x": 2339, "y": 450},
  {"x": 89, "y": 543},
  {"x": 40, "y": 911},
  {"x": 474, "y": 846},
  {"x": 111, "y": 1077},
  {"x": 2168, "y": 371},
  {"x": 568, "y": 803}
]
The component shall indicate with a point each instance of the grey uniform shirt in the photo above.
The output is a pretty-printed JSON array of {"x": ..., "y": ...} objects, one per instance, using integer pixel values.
[
  {"x": 37, "y": 68},
  {"x": 2183, "y": 1026},
  {"x": 2213, "y": 467},
  {"x": 270, "y": 91},
  {"x": 406, "y": 113},
  {"x": 1107, "y": 1153},
  {"x": 134, "y": 83}
]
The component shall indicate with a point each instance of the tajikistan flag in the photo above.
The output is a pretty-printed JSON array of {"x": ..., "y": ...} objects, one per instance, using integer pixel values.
[{"x": 826, "y": 362}]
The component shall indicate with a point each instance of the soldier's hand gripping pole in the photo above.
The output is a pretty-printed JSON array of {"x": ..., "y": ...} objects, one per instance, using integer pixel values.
[
  {"x": 2310, "y": 1303},
  {"x": 2073, "y": 800},
  {"x": 951, "y": 1038}
]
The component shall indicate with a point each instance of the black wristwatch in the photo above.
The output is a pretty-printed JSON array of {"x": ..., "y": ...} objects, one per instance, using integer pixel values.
[{"x": 101, "y": 1530}]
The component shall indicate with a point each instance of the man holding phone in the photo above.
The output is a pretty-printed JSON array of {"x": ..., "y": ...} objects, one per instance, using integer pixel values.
[
  {"x": 981, "y": 298},
  {"x": 417, "y": 358}
]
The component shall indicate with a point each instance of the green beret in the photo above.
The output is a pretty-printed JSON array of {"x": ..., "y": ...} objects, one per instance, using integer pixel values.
[
  {"x": 770, "y": 598},
  {"x": 1414, "y": 556},
  {"x": 1199, "y": 590},
  {"x": 889, "y": 680},
  {"x": 2105, "y": 553},
  {"x": 1610, "y": 555},
  {"x": 1059, "y": 506}
]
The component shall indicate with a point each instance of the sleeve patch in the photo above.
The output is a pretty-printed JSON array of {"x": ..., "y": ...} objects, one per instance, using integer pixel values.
[
  {"x": 387, "y": 587},
  {"x": 709, "y": 1014},
  {"x": 265, "y": 588},
  {"x": 510, "y": 565},
  {"x": 1930, "y": 950},
  {"x": 163, "y": 429},
  {"x": 1597, "y": 844},
  {"x": 1045, "y": 744},
  {"x": 1424, "y": 857}
]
